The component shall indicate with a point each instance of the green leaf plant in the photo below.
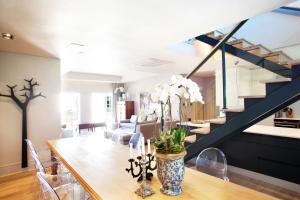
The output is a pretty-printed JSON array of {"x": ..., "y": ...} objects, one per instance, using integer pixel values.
[{"x": 170, "y": 142}]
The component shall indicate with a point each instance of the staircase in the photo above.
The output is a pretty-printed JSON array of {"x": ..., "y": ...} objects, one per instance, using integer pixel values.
[
  {"x": 280, "y": 93},
  {"x": 277, "y": 62}
]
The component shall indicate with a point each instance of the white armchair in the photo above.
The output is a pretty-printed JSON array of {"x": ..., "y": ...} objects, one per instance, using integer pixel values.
[{"x": 124, "y": 131}]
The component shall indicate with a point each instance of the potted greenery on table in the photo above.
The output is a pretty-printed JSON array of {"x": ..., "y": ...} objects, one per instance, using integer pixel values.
[
  {"x": 170, "y": 160},
  {"x": 170, "y": 144}
]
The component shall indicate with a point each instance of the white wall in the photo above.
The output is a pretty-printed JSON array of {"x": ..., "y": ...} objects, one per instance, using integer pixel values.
[
  {"x": 85, "y": 89},
  {"x": 247, "y": 82},
  {"x": 43, "y": 114},
  {"x": 134, "y": 89}
]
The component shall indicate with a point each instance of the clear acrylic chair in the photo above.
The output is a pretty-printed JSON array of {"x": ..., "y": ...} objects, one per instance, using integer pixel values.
[
  {"x": 49, "y": 192},
  {"x": 56, "y": 181},
  {"x": 212, "y": 161},
  {"x": 60, "y": 166},
  {"x": 53, "y": 180},
  {"x": 63, "y": 192}
]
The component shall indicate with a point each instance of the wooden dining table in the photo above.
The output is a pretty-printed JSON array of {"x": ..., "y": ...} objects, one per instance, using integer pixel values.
[{"x": 99, "y": 165}]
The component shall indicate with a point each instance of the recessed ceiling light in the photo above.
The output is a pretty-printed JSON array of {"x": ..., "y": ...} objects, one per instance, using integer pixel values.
[{"x": 7, "y": 36}]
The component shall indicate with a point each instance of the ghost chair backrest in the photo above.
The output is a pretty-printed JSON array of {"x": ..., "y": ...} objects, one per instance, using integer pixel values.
[
  {"x": 37, "y": 163},
  {"x": 48, "y": 191},
  {"x": 212, "y": 161}
]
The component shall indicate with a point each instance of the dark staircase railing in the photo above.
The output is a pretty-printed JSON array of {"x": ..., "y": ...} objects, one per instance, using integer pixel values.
[
  {"x": 278, "y": 97},
  {"x": 278, "y": 94},
  {"x": 217, "y": 47}
]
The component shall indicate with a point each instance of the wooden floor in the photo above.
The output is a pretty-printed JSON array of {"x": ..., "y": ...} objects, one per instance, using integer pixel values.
[
  {"x": 27, "y": 188},
  {"x": 263, "y": 187},
  {"x": 258, "y": 185},
  {"x": 22, "y": 188}
]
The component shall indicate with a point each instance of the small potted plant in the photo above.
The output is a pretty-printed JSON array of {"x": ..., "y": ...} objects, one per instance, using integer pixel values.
[{"x": 170, "y": 160}]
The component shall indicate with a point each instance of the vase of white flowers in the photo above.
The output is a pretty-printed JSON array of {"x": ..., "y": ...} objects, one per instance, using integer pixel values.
[{"x": 170, "y": 144}]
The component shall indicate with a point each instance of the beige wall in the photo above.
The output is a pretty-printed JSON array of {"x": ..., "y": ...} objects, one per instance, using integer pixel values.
[
  {"x": 43, "y": 114},
  {"x": 85, "y": 89}
]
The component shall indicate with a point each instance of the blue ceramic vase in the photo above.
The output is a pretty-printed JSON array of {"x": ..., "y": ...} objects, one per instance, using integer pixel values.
[{"x": 170, "y": 172}]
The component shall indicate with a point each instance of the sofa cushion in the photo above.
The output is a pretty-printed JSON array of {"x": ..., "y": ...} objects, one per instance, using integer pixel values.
[
  {"x": 127, "y": 125},
  {"x": 135, "y": 139}
]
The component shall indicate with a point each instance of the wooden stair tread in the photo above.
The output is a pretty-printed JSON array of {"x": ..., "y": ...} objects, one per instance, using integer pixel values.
[
  {"x": 277, "y": 57},
  {"x": 292, "y": 62},
  {"x": 202, "y": 131},
  {"x": 217, "y": 120},
  {"x": 274, "y": 53},
  {"x": 256, "y": 47},
  {"x": 190, "y": 139},
  {"x": 285, "y": 64},
  {"x": 279, "y": 80},
  {"x": 252, "y": 96},
  {"x": 238, "y": 41},
  {"x": 233, "y": 110}
]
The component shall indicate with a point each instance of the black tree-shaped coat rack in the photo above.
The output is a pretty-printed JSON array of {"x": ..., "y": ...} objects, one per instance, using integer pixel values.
[{"x": 28, "y": 95}]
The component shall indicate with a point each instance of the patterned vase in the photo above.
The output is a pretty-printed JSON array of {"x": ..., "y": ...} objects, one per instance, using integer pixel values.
[{"x": 170, "y": 172}]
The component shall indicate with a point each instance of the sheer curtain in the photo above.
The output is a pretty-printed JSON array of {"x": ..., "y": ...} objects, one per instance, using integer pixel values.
[
  {"x": 70, "y": 109},
  {"x": 115, "y": 99}
]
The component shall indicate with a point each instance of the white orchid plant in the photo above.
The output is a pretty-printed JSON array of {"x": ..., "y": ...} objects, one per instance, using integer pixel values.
[
  {"x": 181, "y": 87},
  {"x": 121, "y": 89}
]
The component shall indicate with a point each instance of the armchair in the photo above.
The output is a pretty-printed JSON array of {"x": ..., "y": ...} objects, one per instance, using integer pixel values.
[{"x": 124, "y": 131}]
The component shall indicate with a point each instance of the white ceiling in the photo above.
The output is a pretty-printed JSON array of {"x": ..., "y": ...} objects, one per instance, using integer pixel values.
[
  {"x": 262, "y": 29},
  {"x": 133, "y": 39}
]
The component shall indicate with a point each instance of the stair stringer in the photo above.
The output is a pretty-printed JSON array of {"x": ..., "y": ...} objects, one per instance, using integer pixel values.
[{"x": 274, "y": 102}]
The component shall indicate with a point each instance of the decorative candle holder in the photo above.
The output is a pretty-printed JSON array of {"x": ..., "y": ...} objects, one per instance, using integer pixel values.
[
  {"x": 139, "y": 164},
  {"x": 144, "y": 190}
]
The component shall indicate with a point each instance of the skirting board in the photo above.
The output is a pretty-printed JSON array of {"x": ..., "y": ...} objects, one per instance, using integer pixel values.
[
  {"x": 17, "y": 175},
  {"x": 13, "y": 168},
  {"x": 268, "y": 179}
]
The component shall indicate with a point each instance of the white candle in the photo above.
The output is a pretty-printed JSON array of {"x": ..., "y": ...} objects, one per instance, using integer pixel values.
[
  {"x": 143, "y": 145},
  {"x": 130, "y": 150},
  {"x": 148, "y": 144},
  {"x": 139, "y": 147}
]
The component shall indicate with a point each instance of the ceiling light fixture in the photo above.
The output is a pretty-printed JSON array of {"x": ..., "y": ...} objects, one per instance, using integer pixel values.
[{"x": 7, "y": 36}]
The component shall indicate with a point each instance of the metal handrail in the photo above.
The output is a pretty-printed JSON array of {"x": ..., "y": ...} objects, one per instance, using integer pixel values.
[{"x": 214, "y": 50}]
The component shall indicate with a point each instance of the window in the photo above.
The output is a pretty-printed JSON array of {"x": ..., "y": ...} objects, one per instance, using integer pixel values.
[
  {"x": 101, "y": 107},
  {"x": 70, "y": 109}
]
